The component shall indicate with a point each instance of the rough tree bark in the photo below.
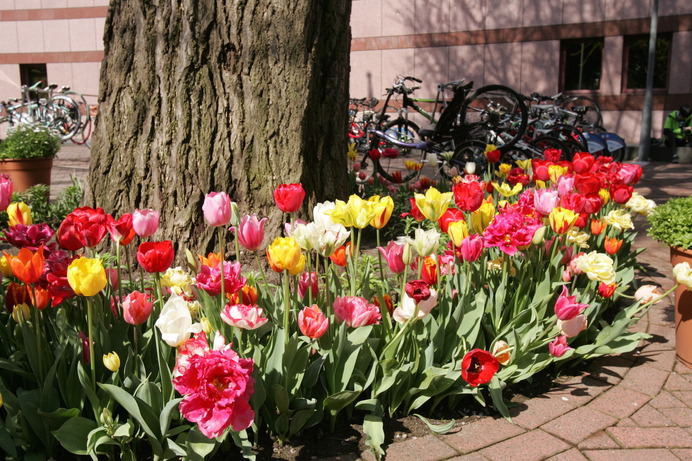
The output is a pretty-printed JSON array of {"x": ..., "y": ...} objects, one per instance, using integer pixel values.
[{"x": 219, "y": 95}]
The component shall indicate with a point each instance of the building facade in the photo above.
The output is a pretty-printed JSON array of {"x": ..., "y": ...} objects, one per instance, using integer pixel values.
[{"x": 590, "y": 47}]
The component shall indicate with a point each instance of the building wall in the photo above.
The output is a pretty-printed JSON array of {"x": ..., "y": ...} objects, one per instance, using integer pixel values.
[{"x": 510, "y": 42}]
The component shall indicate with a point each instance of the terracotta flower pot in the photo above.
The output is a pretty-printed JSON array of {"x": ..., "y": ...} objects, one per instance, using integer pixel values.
[
  {"x": 27, "y": 172},
  {"x": 683, "y": 310}
]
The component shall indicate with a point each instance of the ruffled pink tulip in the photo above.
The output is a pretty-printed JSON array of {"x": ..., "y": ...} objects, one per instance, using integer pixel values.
[
  {"x": 209, "y": 278},
  {"x": 308, "y": 281},
  {"x": 355, "y": 311},
  {"x": 312, "y": 322},
  {"x": 243, "y": 316},
  {"x": 250, "y": 232},
  {"x": 5, "y": 192},
  {"x": 394, "y": 255},
  {"x": 137, "y": 307},
  {"x": 145, "y": 222},
  {"x": 217, "y": 209},
  {"x": 573, "y": 326},
  {"x": 472, "y": 247},
  {"x": 566, "y": 307},
  {"x": 558, "y": 346}
]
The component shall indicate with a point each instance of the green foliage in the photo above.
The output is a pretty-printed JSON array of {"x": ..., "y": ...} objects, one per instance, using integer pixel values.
[
  {"x": 29, "y": 141},
  {"x": 671, "y": 222},
  {"x": 45, "y": 211}
]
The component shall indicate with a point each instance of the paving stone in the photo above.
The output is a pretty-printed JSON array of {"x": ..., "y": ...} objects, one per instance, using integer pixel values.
[
  {"x": 600, "y": 440},
  {"x": 676, "y": 382},
  {"x": 626, "y": 422},
  {"x": 646, "y": 379},
  {"x": 610, "y": 369},
  {"x": 651, "y": 437},
  {"x": 682, "y": 369},
  {"x": 539, "y": 410},
  {"x": 469, "y": 457},
  {"x": 663, "y": 317},
  {"x": 428, "y": 448},
  {"x": 666, "y": 400},
  {"x": 682, "y": 453},
  {"x": 579, "y": 424},
  {"x": 630, "y": 455},
  {"x": 648, "y": 416},
  {"x": 480, "y": 434},
  {"x": 619, "y": 402},
  {"x": 531, "y": 446},
  {"x": 663, "y": 336},
  {"x": 683, "y": 396},
  {"x": 682, "y": 417},
  {"x": 663, "y": 359},
  {"x": 569, "y": 455},
  {"x": 580, "y": 391}
]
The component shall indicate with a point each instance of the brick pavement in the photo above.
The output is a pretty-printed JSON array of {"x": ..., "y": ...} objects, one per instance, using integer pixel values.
[{"x": 636, "y": 406}]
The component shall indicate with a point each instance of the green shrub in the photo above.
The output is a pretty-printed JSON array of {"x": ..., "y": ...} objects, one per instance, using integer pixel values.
[
  {"x": 30, "y": 141},
  {"x": 671, "y": 222}
]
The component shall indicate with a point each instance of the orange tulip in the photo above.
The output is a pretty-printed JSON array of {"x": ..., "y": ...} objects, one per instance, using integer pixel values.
[
  {"x": 27, "y": 266},
  {"x": 597, "y": 226},
  {"x": 40, "y": 298},
  {"x": 339, "y": 257},
  {"x": 249, "y": 296},
  {"x": 612, "y": 245},
  {"x": 211, "y": 260}
]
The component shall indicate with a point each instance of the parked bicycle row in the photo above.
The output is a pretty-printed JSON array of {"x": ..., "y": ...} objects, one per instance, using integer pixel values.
[
  {"x": 460, "y": 123},
  {"x": 63, "y": 111}
]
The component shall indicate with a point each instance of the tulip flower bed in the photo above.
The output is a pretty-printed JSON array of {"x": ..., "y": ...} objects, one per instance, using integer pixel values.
[{"x": 501, "y": 277}]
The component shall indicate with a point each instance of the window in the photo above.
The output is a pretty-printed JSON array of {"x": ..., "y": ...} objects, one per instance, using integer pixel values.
[
  {"x": 32, "y": 73},
  {"x": 582, "y": 64},
  {"x": 637, "y": 58}
]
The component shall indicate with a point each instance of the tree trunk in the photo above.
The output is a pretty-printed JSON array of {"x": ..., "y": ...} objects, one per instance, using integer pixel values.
[{"x": 220, "y": 95}]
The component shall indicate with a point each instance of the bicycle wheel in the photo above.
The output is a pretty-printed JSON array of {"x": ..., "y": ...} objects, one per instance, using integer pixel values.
[
  {"x": 597, "y": 146},
  {"x": 542, "y": 143},
  {"x": 588, "y": 114},
  {"x": 495, "y": 114},
  {"x": 470, "y": 152},
  {"x": 566, "y": 132},
  {"x": 399, "y": 164},
  {"x": 616, "y": 145},
  {"x": 62, "y": 114}
]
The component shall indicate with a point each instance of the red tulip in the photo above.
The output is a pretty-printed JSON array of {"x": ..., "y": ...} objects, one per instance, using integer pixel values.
[
  {"x": 621, "y": 193},
  {"x": 289, "y": 197},
  {"x": 494, "y": 156},
  {"x": 478, "y": 367},
  {"x": 121, "y": 230},
  {"x": 582, "y": 162},
  {"x": 429, "y": 272},
  {"x": 450, "y": 216},
  {"x": 552, "y": 155},
  {"x": 137, "y": 307},
  {"x": 68, "y": 234},
  {"x": 156, "y": 256},
  {"x": 468, "y": 196},
  {"x": 607, "y": 289},
  {"x": 419, "y": 290},
  {"x": 16, "y": 293},
  {"x": 540, "y": 170},
  {"x": 587, "y": 184}
]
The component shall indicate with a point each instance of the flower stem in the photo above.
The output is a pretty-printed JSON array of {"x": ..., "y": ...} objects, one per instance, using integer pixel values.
[
  {"x": 287, "y": 305},
  {"x": 90, "y": 315},
  {"x": 221, "y": 261}
]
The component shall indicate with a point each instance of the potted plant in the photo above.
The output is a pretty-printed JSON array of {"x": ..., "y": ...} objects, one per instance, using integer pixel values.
[
  {"x": 671, "y": 223},
  {"x": 26, "y": 155}
]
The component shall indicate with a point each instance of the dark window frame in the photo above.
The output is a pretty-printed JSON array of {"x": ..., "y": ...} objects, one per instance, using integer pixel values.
[
  {"x": 564, "y": 45},
  {"x": 628, "y": 40},
  {"x": 27, "y": 69}
]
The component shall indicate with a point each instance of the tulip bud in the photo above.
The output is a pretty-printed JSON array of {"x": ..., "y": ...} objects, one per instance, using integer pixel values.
[
  {"x": 21, "y": 312},
  {"x": 501, "y": 351},
  {"x": 111, "y": 361},
  {"x": 538, "y": 236}
]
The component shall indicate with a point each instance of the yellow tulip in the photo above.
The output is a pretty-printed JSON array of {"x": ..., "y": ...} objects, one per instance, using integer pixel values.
[
  {"x": 433, "y": 204},
  {"x": 458, "y": 231},
  {"x": 383, "y": 208},
  {"x": 503, "y": 170},
  {"x": 555, "y": 171},
  {"x": 561, "y": 219},
  {"x": 540, "y": 184},
  {"x": 524, "y": 164},
  {"x": 354, "y": 213},
  {"x": 19, "y": 213},
  {"x": 21, "y": 312},
  {"x": 111, "y": 361},
  {"x": 5, "y": 267},
  {"x": 86, "y": 276},
  {"x": 352, "y": 154},
  {"x": 284, "y": 254},
  {"x": 605, "y": 196},
  {"x": 482, "y": 217},
  {"x": 505, "y": 190},
  {"x": 490, "y": 148}
]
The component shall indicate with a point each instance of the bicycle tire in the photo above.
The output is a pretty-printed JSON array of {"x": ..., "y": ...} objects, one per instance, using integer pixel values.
[
  {"x": 597, "y": 146},
  {"x": 546, "y": 142},
  {"x": 495, "y": 114},
  {"x": 615, "y": 144},
  {"x": 470, "y": 151},
  {"x": 63, "y": 115},
  {"x": 565, "y": 132},
  {"x": 393, "y": 168},
  {"x": 591, "y": 118}
]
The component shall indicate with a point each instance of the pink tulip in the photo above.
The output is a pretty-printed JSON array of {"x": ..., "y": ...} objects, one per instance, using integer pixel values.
[
  {"x": 544, "y": 200},
  {"x": 137, "y": 308},
  {"x": 145, "y": 222},
  {"x": 217, "y": 209},
  {"x": 112, "y": 276},
  {"x": 243, "y": 316},
  {"x": 250, "y": 232},
  {"x": 394, "y": 255},
  {"x": 472, "y": 247},
  {"x": 573, "y": 326},
  {"x": 647, "y": 293},
  {"x": 308, "y": 280},
  {"x": 558, "y": 346},
  {"x": 565, "y": 185},
  {"x": 355, "y": 311},
  {"x": 566, "y": 307},
  {"x": 312, "y": 322},
  {"x": 5, "y": 192}
]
